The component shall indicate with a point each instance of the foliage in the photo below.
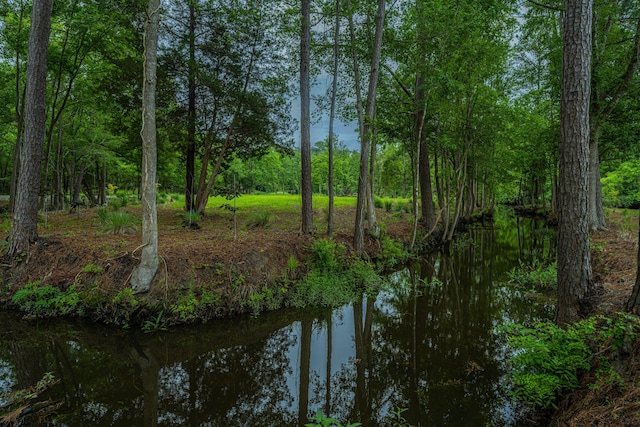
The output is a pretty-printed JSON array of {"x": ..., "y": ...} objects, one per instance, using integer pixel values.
[
  {"x": 92, "y": 268},
  {"x": 117, "y": 222},
  {"x": 620, "y": 187},
  {"x": 332, "y": 281},
  {"x": 46, "y": 301},
  {"x": 392, "y": 252},
  {"x": 535, "y": 276},
  {"x": 546, "y": 359},
  {"x": 267, "y": 298},
  {"x": 259, "y": 219},
  {"x": 155, "y": 324},
  {"x": 327, "y": 255},
  {"x": 320, "y": 420}
]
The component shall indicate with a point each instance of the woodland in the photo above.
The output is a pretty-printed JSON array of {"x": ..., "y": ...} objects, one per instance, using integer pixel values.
[{"x": 458, "y": 107}]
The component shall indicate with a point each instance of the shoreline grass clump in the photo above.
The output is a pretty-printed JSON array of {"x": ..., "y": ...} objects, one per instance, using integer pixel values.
[{"x": 535, "y": 277}]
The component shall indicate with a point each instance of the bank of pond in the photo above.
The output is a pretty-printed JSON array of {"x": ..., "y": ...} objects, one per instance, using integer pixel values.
[{"x": 422, "y": 347}]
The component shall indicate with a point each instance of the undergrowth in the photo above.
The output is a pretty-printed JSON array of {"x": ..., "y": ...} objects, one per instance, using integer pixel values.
[
  {"x": 546, "y": 360},
  {"x": 535, "y": 277}
]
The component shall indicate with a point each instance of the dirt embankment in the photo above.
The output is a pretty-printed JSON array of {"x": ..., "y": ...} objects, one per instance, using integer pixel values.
[{"x": 75, "y": 251}]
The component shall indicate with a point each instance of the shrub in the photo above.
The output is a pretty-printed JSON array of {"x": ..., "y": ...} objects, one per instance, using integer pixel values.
[
  {"x": 46, "y": 301},
  {"x": 118, "y": 222},
  {"x": 258, "y": 219},
  {"x": 327, "y": 255},
  {"x": 547, "y": 359},
  {"x": 378, "y": 202},
  {"x": 535, "y": 277}
]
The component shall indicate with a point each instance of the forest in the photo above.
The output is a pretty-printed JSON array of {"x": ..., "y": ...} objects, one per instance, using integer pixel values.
[
  {"x": 420, "y": 116},
  {"x": 477, "y": 82}
]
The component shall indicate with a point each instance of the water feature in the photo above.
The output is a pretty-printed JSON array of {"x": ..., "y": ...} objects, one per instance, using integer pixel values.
[{"x": 425, "y": 347}]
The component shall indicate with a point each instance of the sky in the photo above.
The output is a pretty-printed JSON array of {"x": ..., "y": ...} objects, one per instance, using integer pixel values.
[{"x": 347, "y": 132}]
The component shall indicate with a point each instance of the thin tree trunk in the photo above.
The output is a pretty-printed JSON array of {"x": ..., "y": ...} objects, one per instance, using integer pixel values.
[
  {"x": 143, "y": 273},
  {"x": 334, "y": 88},
  {"x": 365, "y": 149},
  {"x": 19, "y": 107},
  {"x": 305, "y": 119},
  {"x": 191, "y": 124},
  {"x": 24, "y": 229}
]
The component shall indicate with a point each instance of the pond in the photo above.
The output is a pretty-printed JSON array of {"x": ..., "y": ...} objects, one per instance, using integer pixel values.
[{"x": 425, "y": 350}]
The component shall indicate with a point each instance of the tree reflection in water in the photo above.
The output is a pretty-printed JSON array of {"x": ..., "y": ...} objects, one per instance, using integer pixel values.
[{"x": 426, "y": 345}]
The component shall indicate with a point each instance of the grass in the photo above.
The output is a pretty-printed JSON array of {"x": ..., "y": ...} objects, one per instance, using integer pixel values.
[{"x": 277, "y": 202}]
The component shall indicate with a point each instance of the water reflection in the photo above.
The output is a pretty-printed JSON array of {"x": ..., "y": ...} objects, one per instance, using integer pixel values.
[{"x": 425, "y": 346}]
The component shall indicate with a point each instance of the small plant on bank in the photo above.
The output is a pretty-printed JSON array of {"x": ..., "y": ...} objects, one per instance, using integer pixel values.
[
  {"x": 117, "y": 222},
  {"x": 546, "y": 359},
  {"x": 535, "y": 277},
  {"x": 155, "y": 324},
  {"x": 258, "y": 219},
  {"x": 320, "y": 420},
  {"x": 327, "y": 255},
  {"x": 392, "y": 252},
  {"x": 46, "y": 301},
  {"x": 191, "y": 220}
]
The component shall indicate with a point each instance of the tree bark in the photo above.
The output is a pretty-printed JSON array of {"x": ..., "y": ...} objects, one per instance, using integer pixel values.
[
  {"x": 305, "y": 119},
  {"x": 365, "y": 147},
  {"x": 144, "y": 272},
  {"x": 191, "y": 123},
  {"x": 334, "y": 88},
  {"x": 19, "y": 106},
  {"x": 574, "y": 258},
  {"x": 24, "y": 229}
]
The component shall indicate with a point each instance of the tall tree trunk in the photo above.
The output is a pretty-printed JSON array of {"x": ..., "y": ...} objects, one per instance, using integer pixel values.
[
  {"x": 574, "y": 259},
  {"x": 305, "y": 119},
  {"x": 19, "y": 106},
  {"x": 191, "y": 124},
  {"x": 365, "y": 148},
  {"x": 24, "y": 229},
  {"x": 426, "y": 190},
  {"x": 334, "y": 88},
  {"x": 144, "y": 272}
]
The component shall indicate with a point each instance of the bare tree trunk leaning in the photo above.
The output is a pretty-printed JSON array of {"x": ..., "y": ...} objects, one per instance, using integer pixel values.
[
  {"x": 574, "y": 258},
  {"x": 144, "y": 272},
  {"x": 24, "y": 229}
]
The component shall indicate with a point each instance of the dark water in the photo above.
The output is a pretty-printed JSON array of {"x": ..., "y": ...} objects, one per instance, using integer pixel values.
[{"x": 426, "y": 347}]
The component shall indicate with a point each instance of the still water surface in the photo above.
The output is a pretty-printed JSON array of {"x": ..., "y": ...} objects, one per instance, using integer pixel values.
[{"x": 426, "y": 346}]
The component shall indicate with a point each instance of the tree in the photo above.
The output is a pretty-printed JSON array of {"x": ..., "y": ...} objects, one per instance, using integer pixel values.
[
  {"x": 305, "y": 118},
  {"x": 364, "y": 187},
  {"x": 144, "y": 272},
  {"x": 334, "y": 89},
  {"x": 24, "y": 229},
  {"x": 614, "y": 72},
  {"x": 574, "y": 259}
]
